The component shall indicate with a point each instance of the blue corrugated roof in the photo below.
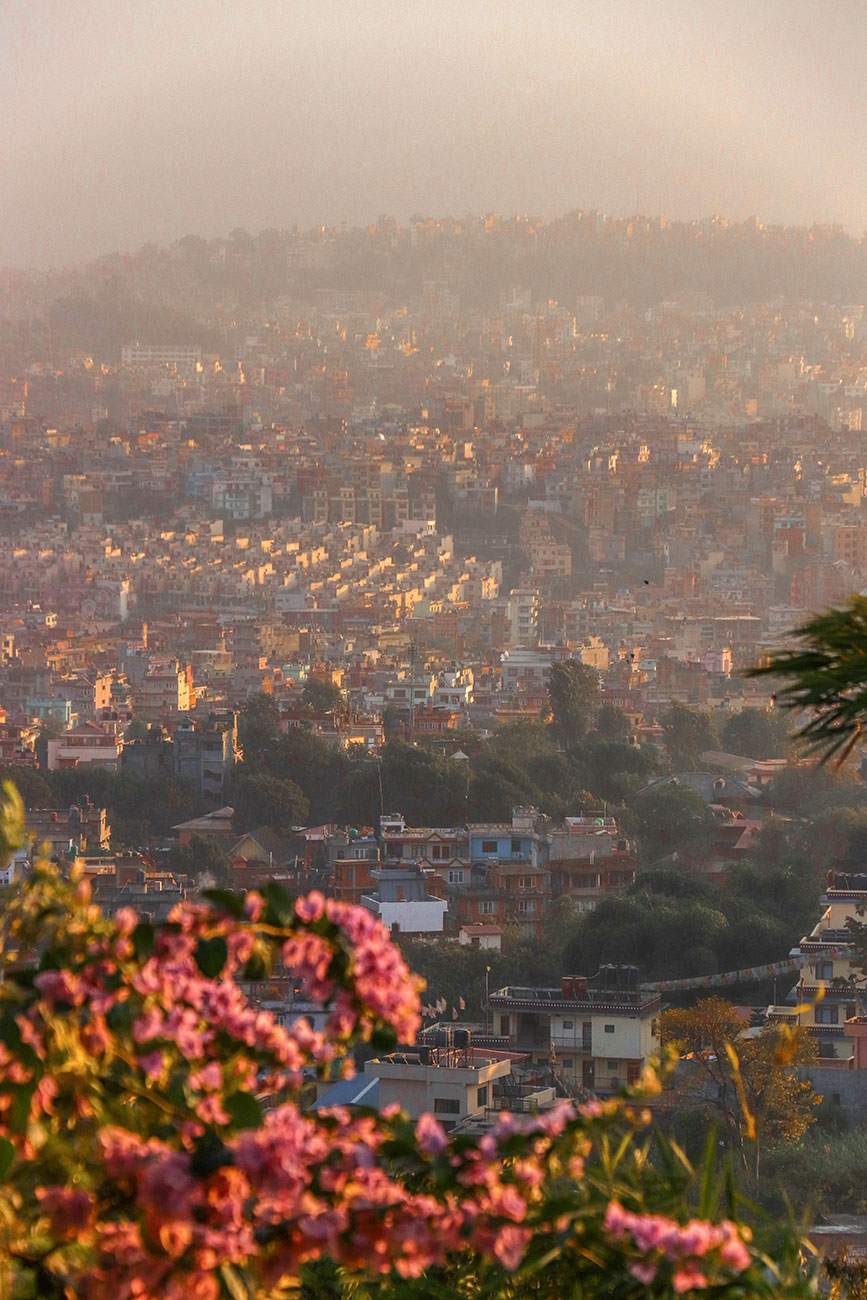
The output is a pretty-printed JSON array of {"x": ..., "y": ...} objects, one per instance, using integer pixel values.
[{"x": 360, "y": 1091}]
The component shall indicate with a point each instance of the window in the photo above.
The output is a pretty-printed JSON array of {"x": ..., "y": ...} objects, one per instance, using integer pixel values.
[
  {"x": 826, "y": 1015},
  {"x": 487, "y": 905},
  {"x": 504, "y": 1025},
  {"x": 567, "y": 1024},
  {"x": 824, "y": 970},
  {"x": 482, "y": 1097},
  {"x": 609, "y": 1029},
  {"x": 516, "y": 845},
  {"x": 489, "y": 846},
  {"x": 526, "y": 906},
  {"x": 567, "y": 1065},
  {"x": 446, "y": 1106},
  {"x": 612, "y": 1065},
  {"x": 456, "y": 877}
]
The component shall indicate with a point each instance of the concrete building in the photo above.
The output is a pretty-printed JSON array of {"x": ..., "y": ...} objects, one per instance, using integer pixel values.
[
  {"x": 402, "y": 901},
  {"x": 597, "y": 1034},
  {"x": 823, "y": 1000},
  {"x": 78, "y": 829},
  {"x": 84, "y": 745},
  {"x": 204, "y": 753},
  {"x": 449, "y": 1083},
  {"x": 161, "y": 354}
]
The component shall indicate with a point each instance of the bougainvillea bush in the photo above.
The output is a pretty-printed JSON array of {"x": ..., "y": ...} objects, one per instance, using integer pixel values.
[{"x": 153, "y": 1144}]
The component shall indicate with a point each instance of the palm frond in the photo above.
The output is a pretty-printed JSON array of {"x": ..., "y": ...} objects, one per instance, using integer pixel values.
[{"x": 827, "y": 678}]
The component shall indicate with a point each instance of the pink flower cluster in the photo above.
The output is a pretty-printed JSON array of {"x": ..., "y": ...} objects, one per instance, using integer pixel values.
[
  {"x": 310, "y": 1187},
  {"x": 384, "y": 988},
  {"x": 695, "y": 1250},
  {"x": 164, "y": 1195},
  {"x": 180, "y": 1016}
]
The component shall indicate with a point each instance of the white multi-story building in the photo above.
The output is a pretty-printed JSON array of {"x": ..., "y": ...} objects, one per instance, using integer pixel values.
[{"x": 161, "y": 354}]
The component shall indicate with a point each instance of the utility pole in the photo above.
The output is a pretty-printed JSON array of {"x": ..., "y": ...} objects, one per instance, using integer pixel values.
[{"x": 411, "y": 692}]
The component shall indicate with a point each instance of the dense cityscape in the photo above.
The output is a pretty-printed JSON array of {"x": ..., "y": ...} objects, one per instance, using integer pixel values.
[{"x": 353, "y": 559}]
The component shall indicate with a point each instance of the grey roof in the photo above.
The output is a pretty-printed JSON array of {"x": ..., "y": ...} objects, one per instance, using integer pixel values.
[{"x": 360, "y": 1091}]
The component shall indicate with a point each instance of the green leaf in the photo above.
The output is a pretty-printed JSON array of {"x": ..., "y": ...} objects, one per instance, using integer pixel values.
[
  {"x": 233, "y": 1283},
  {"x": 280, "y": 904},
  {"x": 244, "y": 1109},
  {"x": 143, "y": 940},
  {"x": 227, "y": 900},
  {"x": 175, "y": 1092},
  {"x": 19, "y": 1111},
  {"x": 119, "y": 1016},
  {"x": 10, "y": 1034},
  {"x": 709, "y": 1191},
  {"x": 211, "y": 955},
  {"x": 383, "y": 1038},
  {"x": 7, "y": 1155},
  {"x": 209, "y": 1155},
  {"x": 255, "y": 968}
]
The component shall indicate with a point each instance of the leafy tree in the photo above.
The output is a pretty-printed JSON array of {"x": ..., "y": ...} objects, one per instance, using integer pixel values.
[
  {"x": 656, "y": 933},
  {"x": 309, "y": 761},
  {"x": 258, "y": 725},
  {"x": 755, "y": 1088},
  {"x": 321, "y": 696},
  {"x": 497, "y": 786},
  {"x": 613, "y": 770},
  {"x": 574, "y": 696},
  {"x": 813, "y": 790},
  {"x": 50, "y": 729},
  {"x": 673, "y": 819},
  {"x": 260, "y": 799},
  {"x": 756, "y": 733},
  {"x": 688, "y": 733},
  {"x": 137, "y": 730},
  {"x": 825, "y": 679},
  {"x": 613, "y": 725},
  {"x": 521, "y": 741},
  {"x": 391, "y": 721},
  {"x": 35, "y": 788},
  {"x": 201, "y": 856}
]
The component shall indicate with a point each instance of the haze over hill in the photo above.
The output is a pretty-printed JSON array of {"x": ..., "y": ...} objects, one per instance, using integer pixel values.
[
  {"x": 200, "y": 291},
  {"x": 129, "y": 123}
]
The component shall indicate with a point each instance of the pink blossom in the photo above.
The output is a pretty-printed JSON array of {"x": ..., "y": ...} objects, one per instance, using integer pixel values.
[
  {"x": 152, "y": 1064},
  {"x": 688, "y": 1277},
  {"x": 148, "y": 1026},
  {"x": 59, "y": 986},
  {"x": 70, "y": 1210},
  {"x": 509, "y": 1246},
  {"x": 254, "y": 905},
  {"x": 734, "y": 1253},
  {"x": 210, "y": 1076},
  {"x": 125, "y": 920},
  {"x": 311, "y": 907},
  {"x": 431, "y": 1135}
]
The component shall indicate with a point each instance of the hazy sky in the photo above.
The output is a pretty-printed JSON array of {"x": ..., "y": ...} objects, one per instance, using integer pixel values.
[{"x": 126, "y": 121}]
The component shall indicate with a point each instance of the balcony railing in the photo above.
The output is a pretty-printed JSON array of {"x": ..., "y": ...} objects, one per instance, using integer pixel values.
[{"x": 572, "y": 1042}]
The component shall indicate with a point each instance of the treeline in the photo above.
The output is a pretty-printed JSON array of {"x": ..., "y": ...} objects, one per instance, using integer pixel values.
[
  {"x": 671, "y": 925},
  {"x": 288, "y": 779},
  {"x": 141, "y": 810}
]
